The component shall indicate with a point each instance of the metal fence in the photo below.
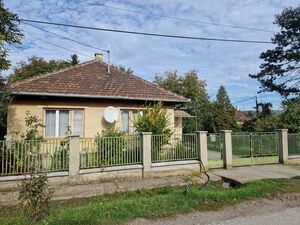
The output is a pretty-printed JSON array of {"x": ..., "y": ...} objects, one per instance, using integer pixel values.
[
  {"x": 214, "y": 147},
  {"x": 255, "y": 148},
  {"x": 294, "y": 144},
  {"x": 21, "y": 157},
  {"x": 241, "y": 145},
  {"x": 110, "y": 151},
  {"x": 174, "y": 147}
]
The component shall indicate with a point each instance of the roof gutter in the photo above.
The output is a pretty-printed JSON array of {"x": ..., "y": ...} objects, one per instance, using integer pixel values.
[{"x": 96, "y": 96}]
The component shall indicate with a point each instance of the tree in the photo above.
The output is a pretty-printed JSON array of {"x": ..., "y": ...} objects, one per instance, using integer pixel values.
[
  {"x": 264, "y": 121},
  {"x": 74, "y": 60},
  {"x": 280, "y": 71},
  {"x": 4, "y": 102},
  {"x": 123, "y": 69},
  {"x": 9, "y": 34},
  {"x": 35, "y": 66},
  {"x": 290, "y": 118},
  {"x": 189, "y": 86},
  {"x": 224, "y": 113},
  {"x": 153, "y": 118}
]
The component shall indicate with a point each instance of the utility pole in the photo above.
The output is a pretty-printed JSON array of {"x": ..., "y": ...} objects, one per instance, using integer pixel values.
[{"x": 256, "y": 106}]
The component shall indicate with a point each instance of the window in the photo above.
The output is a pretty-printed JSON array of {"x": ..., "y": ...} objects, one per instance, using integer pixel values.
[
  {"x": 127, "y": 118},
  {"x": 77, "y": 126},
  {"x": 58, "y": 121},
  {"x": 125, "y": 121}
]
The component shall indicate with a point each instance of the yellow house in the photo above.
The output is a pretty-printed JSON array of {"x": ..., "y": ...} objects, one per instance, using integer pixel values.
[{"x": 79, "y": 97}]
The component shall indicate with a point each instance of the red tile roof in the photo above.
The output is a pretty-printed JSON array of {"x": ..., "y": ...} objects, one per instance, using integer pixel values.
[{"x": 90, "y": 79}]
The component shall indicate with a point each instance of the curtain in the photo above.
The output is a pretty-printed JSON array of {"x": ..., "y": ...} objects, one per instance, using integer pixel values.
[
  {"x": 63, "y": 122},
  {"x": 50, "y": 123},
  {"x": 77, "y": 128},
  {"x": 125, "y": 121}
]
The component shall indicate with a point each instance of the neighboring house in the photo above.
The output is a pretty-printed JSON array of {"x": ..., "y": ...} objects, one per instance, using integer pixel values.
[
  {"x": 243, "y": 116},
  {"x": 77, "y": 97}
]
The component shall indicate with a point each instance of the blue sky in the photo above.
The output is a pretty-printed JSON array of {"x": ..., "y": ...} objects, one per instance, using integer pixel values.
[{"x": 218, "y": 63}]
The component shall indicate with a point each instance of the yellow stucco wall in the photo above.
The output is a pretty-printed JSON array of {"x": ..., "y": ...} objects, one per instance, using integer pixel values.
[{"x": 93, "y": 114}]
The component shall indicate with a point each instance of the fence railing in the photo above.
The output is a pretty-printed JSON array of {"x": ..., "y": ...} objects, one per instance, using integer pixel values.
[
  {"x": 110, "y": 151},
  {"x": 174, "y": 147},
  {"x": 20, "y": 157},
  {"x": 294, "y": 144}
]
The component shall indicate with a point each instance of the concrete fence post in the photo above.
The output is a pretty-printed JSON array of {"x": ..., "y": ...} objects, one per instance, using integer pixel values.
[
  {"x": 146, "y": 153},
  {"x": 74, "y": 158},
  {"x": 283, "y": 145},
  {"x": 227, "y": 148},
  {"x": 202, "y": 143}
]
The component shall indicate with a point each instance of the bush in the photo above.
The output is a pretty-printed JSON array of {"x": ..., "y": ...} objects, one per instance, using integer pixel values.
[{"x": 34, "y": 196}]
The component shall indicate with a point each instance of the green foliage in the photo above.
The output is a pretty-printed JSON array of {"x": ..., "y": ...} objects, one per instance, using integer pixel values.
[
  {"x": 189, "y": 86},
  {"x": 165, "y": 202},
  {"x": 265, "y": 121},
  {"x": 33, "y": 124},
  {"x": 154, "y": 118},
  {"x": 36, "y": 66},
  {"x": 290, "y": 118},
  {"x": 4, "y": 102},
  {"x": 9, "y": 34},
  {"x": 280, "y": 69},
  {"x": 113, "y": 147},
  {"x": 224, "y": 113},
  {"x": 34, "y": 196},
  {"x": 123, "y": 69},
  {"x": 74, "y": 60}
]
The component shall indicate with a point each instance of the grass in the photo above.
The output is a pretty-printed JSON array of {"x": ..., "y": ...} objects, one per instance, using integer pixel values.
[{"x": 156, "y": 203}]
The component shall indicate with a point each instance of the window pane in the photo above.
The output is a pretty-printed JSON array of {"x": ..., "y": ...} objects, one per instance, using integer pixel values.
[
  {"x": 134, "y": 116},
  {"x": 63, "y": 122},
  {"x": 50, "y": 123},
  {"x": 77, "y": 126},
  {"x": 125, "y": 121}
]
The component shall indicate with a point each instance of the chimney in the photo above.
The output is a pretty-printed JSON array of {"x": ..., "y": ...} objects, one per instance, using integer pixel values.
[{"x": 99, "y": 57}]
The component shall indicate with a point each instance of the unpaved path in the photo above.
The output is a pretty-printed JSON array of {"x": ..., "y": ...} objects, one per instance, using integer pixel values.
[{"x": 283, "y": 210}]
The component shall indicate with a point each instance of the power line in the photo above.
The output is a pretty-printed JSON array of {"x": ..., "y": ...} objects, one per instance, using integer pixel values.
[
  {"x": 67, "y": 38},
  {"x": 178, "y": 18},
  {"x": 58, "y": 46},
  {"x": 247, "y": 99},
  {"x": 147, "y": 34},
  {"x": 251, "y": 98}
]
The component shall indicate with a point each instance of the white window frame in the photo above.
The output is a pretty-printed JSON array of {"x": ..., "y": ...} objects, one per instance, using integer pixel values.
[
  {"x": 71, "y": 111},
  {"x": 130, "y": 117}
]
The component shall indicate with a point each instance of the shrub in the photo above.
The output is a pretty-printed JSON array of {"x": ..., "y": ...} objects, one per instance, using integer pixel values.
[{"x": 34, "y": 196}]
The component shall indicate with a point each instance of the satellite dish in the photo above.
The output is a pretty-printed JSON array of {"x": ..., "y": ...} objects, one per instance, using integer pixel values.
[{"x": 110, "y": 114}]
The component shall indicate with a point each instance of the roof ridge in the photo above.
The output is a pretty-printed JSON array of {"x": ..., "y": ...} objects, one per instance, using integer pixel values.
[
  {"x": 29, "y": 79},
  {"x": 147, "y": 82}
]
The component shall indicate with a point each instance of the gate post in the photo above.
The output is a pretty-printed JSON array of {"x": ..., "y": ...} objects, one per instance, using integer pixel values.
[
  {"x": 283, "y": 145},
  {"x": 202, "y": 151},
  {"x": 146, "y": 153},
  {"x": 227, "y": 148},
  {"x": 74, "y": 158}
]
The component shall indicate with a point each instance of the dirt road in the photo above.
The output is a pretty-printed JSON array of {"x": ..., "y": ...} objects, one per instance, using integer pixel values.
[{"x": 283, "y": 210}]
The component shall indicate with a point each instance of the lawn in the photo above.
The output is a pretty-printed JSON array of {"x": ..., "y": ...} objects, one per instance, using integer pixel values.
[{"x": 156, "y": 203}]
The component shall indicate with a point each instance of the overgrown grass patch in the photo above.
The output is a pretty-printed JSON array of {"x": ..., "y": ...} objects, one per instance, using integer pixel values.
[{"x": 157, "y": 203}]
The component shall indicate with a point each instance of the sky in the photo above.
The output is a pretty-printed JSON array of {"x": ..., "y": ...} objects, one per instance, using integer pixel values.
[{"x": 218, "y": 63}]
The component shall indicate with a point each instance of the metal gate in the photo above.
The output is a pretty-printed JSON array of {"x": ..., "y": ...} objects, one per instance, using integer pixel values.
[{"x": 254, "y": 148}]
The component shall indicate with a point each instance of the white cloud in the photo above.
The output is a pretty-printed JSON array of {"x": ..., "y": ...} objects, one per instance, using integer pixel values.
[{"x": 218, "y": 63}]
